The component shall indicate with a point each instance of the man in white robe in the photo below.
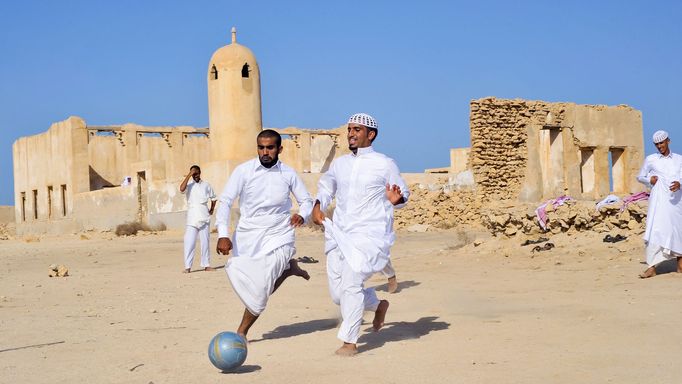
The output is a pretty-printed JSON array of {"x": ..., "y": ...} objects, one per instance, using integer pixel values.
[
  {"x": 367, "y": 186},
  {"x": 263, "y": 241},
  {"x": 198, "y": 193},
  {"x": 662, "y": 172}
]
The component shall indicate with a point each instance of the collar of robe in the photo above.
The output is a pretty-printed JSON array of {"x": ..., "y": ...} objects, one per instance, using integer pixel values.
[
  {"x": 364, "y": 151},
  {"x": 259, "y": 165}
]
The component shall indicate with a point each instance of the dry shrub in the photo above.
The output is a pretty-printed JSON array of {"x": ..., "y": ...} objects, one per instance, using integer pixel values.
[{"x": 131, "y": 229}]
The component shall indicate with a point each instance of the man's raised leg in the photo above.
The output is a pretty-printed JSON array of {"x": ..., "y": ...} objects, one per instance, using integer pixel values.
[{"x": 293, "y": 270}]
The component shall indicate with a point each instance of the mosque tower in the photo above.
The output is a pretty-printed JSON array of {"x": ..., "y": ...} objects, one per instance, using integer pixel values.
[{"x": 234, "y": 104}]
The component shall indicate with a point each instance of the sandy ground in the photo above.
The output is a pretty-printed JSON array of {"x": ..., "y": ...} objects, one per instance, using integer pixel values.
[{"x": 492, "y": 313}]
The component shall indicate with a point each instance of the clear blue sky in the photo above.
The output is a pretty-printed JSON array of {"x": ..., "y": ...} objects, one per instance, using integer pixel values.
[{"x": 413, "y": 65}]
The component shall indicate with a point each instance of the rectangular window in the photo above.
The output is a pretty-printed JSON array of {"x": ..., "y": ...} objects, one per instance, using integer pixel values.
[
  {"x": 49, "y": 201},
  {"x": 63, "y": 188},
  {"x": 23, "y": 206},
  {"x": 35, "y": 204},
  {"x": 617, "y": 170},
  {"x": 552, "y": 161},
  {"x": 587, "y": 170}
]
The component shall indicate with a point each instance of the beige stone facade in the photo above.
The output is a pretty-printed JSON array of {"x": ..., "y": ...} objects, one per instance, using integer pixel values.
[
  {"x": 78, "y": 177},
  {"x": 534, "y": 150}
]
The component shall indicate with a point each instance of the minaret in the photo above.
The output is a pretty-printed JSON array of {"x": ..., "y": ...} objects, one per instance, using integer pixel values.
[{"x": 234, "y": 104}]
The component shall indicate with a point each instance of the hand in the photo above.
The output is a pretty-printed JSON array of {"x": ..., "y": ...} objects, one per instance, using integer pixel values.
[
  {"x": 394, "y": 194},
  {"x": 653, "y": 180},
  {"x": 192, "y": 171},
  {"x": 296, "y": 220},
  {"x": 318, "y": 215},
  {"x": 224, "y": 246},
  {"x": 675, "y": 186}
]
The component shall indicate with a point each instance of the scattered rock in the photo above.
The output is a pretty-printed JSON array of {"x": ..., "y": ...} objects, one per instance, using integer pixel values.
[{"x": 58, "y": 271}]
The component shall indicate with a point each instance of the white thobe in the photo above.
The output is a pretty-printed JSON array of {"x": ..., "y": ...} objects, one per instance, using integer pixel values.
[
  {"x": 359, "y": 239},
  {"x": 263, "y": 241},
  {"x": 198, "y": 196},
  {"x": 198, "y": 217},
  {"x": 663, "y": 233}
]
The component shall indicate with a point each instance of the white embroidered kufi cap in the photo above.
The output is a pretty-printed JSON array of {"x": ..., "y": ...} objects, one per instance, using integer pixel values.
[
  {"x": 364, "y": 119},
  {"x": 660, "y": 136}
]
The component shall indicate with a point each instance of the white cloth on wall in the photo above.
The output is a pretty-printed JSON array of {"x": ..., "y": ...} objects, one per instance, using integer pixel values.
[
  {"x": 198, "y": 197},
  {"x": 664, "y": 216}
]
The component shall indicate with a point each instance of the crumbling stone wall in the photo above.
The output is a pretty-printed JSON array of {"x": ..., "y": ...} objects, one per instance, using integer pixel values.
[
  {"x": 433, "y": 208},
  {"x": 573, "y": 216},
  {"x": 499, "y": 149}
]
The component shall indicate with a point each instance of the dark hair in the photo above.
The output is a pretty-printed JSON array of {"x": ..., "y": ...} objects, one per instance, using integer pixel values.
[
  {"x": 195, "y": 166},
  {"x": 271, "y": 133}
]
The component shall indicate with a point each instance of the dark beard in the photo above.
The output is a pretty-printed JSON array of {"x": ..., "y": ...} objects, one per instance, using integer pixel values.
[{"x": 269, "y": 164}]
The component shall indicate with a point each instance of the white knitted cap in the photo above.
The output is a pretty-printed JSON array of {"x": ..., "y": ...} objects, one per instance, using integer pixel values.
[
  {"x": 660, "y": 136},
  {"x": 363, "y": 119}
]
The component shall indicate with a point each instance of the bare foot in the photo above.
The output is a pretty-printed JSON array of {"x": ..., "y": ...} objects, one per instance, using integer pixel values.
[
  {"x": 347, "y": 350},
  {"x": 298, "y": 271},
  {"x": 392, "y": 284},
  {"x": 186, "y": 270},
  {"x": 380, "y": 315},
  {"x": 650, "y": 272},
  {"x": 209, "y": 269}
]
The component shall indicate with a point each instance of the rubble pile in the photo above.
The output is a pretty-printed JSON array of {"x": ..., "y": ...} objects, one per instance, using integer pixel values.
[
  {"x": 439, "y": 208},
  {"x": 572, "y": 216}
]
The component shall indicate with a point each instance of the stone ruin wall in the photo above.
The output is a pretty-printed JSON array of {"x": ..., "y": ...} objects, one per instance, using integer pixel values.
[
  {"x": 498, "y": 159},
  {"x": 435, "y": 207},
  {"x": 499, "y": 151}
]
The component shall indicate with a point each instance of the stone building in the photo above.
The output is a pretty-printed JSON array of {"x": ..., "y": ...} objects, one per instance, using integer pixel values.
[
  {"x": 75, "y": 176},
  {"x": 535, "y": 150}
]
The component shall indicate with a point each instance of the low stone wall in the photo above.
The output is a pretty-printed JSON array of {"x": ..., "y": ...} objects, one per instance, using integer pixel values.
[
  {"x": 433, "y": 207},
  {"x": 572, "y": 216}
]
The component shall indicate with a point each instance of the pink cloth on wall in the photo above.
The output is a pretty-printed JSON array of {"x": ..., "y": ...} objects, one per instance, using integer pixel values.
[
  {"x": 633, "y": 198},
  {"x": 541, "y": 211}
]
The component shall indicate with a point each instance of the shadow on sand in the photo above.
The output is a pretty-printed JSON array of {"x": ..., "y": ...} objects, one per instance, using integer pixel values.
[
  {"x": 297, "y": 329},
  {"x": 401, "y": 330},
  {"x": 401, "y": 285},
  {"x": 667, "y": 266},
  {"x": 243, "y": 369}
]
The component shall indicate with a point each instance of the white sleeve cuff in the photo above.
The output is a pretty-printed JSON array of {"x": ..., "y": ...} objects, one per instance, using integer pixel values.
[{"x": 223, "y": 231}]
